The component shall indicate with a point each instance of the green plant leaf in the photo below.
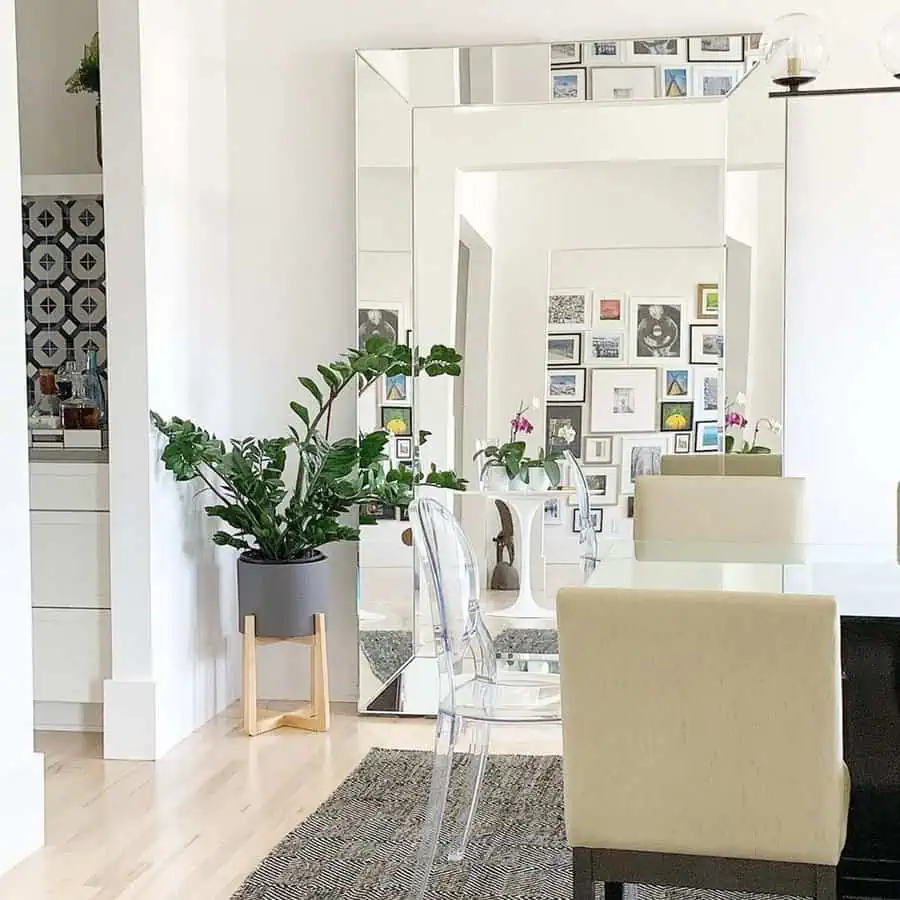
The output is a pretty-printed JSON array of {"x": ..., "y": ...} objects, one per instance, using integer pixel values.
[
  {"x": 312, "y": 387},
  {"x": 300, "y": 411}
]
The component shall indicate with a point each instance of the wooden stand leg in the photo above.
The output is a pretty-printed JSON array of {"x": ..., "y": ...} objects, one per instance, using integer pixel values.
[{"x": 318, "y": 716}]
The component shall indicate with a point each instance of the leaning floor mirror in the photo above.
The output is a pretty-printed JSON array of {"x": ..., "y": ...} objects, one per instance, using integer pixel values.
[{"x": 597, "y": 227}]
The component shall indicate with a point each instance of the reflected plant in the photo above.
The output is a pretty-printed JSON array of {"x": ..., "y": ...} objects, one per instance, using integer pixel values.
[{"x": 736, "y": 442}]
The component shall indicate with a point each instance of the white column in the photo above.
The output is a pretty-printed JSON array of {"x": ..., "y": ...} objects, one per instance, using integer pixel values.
[{"x": 21, "y": 769}]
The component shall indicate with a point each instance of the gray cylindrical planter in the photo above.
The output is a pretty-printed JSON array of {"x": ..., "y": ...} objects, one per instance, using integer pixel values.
[{"x": 284, "y": 596}]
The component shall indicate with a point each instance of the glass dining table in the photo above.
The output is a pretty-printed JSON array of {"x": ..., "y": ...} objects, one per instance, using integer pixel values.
[{"x": 865, "y": 580}]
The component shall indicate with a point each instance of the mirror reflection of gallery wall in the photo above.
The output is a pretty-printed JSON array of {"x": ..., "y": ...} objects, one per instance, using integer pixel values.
[{"x": 610, "y": 272}]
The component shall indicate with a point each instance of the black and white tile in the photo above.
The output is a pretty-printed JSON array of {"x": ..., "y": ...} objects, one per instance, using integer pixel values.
[{"x": 64, "y": 257}]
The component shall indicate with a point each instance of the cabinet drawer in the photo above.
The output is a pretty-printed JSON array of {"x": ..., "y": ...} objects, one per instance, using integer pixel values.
[
  {"x": 75, "y": 486},
  {"x": 70, "y": 559},
  {"x": 72, "y": 654}
]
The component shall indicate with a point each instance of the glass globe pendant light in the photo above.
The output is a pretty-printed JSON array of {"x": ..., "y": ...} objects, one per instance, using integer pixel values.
[
  {"x": 795, "y": 50},
  {"x": 889, "y": 46}
]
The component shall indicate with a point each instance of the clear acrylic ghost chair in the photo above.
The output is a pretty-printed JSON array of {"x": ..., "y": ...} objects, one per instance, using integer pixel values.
[
  {"x": 472, "y": 697},
  {"x": 587, "y": 536}
]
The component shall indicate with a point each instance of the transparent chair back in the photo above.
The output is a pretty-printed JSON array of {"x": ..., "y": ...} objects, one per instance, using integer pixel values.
[
  {"x": 587, "y": 536},
  {"x": 463, "y": 645}
]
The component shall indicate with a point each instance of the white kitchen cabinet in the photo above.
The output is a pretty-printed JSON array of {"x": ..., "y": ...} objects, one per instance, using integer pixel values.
[{"x": 70, "y": 486}]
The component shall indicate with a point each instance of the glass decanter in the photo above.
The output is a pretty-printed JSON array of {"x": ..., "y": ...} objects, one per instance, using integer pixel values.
[{"x": 44, "y": 414}]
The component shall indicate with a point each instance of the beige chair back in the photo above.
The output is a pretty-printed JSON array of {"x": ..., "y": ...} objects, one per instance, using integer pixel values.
[
  {"x": 704, "y": 723},
  {"x": 723, "y": 518},
  {"x": 756, "y": 464}
]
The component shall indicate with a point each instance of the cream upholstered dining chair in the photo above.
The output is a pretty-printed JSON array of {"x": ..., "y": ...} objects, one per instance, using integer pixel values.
[
  {"x": 702, "y": 743},
  {"x": 724, "y": 518},
  {"x": 756, "y": 464}
]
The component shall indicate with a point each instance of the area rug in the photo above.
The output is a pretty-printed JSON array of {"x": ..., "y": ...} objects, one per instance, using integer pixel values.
[{"x": 361, "y": 844}]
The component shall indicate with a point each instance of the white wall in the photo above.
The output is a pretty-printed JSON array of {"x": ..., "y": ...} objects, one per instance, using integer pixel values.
[
  {"x": 175, "y": 649},
  {"x": 291, "y": 163},
  {"x": 57, "y": 128},
  {"x": 21, "y": 770}
]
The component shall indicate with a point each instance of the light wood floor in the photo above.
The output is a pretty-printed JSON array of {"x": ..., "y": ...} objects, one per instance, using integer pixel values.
[{"x": 193, "y": 825}]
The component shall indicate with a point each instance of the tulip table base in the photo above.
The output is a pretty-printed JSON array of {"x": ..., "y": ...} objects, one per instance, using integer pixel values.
[{"x": 525, "y": 506}]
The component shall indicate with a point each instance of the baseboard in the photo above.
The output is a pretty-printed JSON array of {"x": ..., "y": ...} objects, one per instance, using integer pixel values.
[
  {"x": 21, "y": 809},
  {"x": 129, "y": 720},
  {"x": 68, "y": 716}
]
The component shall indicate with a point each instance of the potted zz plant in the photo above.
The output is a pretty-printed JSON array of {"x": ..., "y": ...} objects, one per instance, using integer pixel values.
[
  {"x": 278, "y": 524},
  {"x": 86, "y": 80}
]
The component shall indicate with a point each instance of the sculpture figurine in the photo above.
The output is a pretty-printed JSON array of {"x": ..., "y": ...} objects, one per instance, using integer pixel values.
[{"x": 505, "y": 577}]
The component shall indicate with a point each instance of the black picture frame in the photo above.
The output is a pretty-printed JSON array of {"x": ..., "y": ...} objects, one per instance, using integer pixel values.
[
  {"x": 564, "y": 414},
  {"x": 667, "y": 407},
  {"x": 577, "y": 337},
  {"x": 697, "y": 447},
  {"x": 402, "y": 413},
  {"x": 595, "y": 512}
]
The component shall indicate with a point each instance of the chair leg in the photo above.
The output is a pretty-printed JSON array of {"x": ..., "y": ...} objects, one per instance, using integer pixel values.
[
  {"x": 582, "y": 874},
  {"x": 826, "y": 883},
  {"x": 445, "y": 735},
  {"x": 478, "y": 747}
]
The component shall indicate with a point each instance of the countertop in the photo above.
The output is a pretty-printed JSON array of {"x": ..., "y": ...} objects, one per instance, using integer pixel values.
[{"x": 63, "y": 455}]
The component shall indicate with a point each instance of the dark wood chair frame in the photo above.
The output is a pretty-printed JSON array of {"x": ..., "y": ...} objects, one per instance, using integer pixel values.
[{"x": 613, "y": 868}]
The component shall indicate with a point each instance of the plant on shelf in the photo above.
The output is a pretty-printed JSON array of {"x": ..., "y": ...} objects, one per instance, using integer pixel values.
[
  {"x": 86, "y": 80},
  {"x": 735, "y": 420},
  {"x": 546, "y": 472},
  {"x": 279, "y": 521}
]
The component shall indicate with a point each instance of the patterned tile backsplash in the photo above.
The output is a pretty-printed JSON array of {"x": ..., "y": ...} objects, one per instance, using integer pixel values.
[{"x": 65, "y": 281}]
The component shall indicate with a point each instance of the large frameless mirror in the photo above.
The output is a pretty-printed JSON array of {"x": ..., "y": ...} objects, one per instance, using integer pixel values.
[{"x": 598, "y": 228}]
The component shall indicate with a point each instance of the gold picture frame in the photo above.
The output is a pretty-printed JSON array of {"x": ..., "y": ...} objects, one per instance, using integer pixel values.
[{"x": 707, "y": 301}]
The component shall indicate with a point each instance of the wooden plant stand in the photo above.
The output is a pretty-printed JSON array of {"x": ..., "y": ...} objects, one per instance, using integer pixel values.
[{"x": 314, "y": 717}]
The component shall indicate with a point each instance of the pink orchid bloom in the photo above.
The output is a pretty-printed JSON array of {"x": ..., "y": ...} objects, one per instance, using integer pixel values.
[
  {"x": 520, "y": 424},
  {"x": 735, "y": 418}
]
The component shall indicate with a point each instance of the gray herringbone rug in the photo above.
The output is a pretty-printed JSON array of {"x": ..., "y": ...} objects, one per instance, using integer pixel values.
[{"x": 361, "y": 843}]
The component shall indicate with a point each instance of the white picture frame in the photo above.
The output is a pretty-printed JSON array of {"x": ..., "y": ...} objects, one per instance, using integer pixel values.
[
  {"x": 656, "y": 330},
  {"x": 623, "y": 83},
  {"x": 403, "y": 449},
  {"x": 568, "y": 85},
  {"x": 566, "y": 53},
  {"x": 598, "y": 449},
  {"x": 682, "y": 442},
  {"x": 569, "y": 309},
  {"x": 608, "y": 308},
  {"x": 716, "y": 48},
  {"x": 655, "y": 51},
  {"x": 676, "y": 383},
  {"x": 623, "y": 400},
  {"x": 393, "y": 314},
  {"x": 715, "y": 81},
  {"x": 564, "y": 349},
  {"x": 675, "y": 81},
  {"x": 566, "y": 385},
  {"x": 606, "y": 348},
  {"x": 707, "y": 344},
  {"x": 645, "y": 463},
  {"x": 608, "y": 477},
  {"x": 604, "y": 53},
  {"x": 702, "y": 376}
]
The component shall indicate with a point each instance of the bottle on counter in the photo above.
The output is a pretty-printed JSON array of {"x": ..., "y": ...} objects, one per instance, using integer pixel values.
[
  {"x": 94, "y": 388},
  {"x": 80, "y": 411},
  {"x": 64, "y": 380},
  {"x": 44, "y": 415}
]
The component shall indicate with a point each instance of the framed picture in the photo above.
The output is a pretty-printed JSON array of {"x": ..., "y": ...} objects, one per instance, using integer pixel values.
[
  {"x": 604, "y": 53},
  {"x": 565, "y": 54},
  {"x": 397, "y": 420},
  {"x": 721, "y": 48},
  {"x": 566, "y": 385},
  {"x": 564, "y": 429},
  {"x": 674, "y": 81},
  {"x": 603, "y": 483},
  {"x": 676, "y": 383},
  {"x": 563, "y": 349},
  {"x": 395, "y": 389},
  {"x": 383, "y": 321},
  {"x": 642, "y": 455},
  {"x": 623, "y": 400},
  {"x": 656, "y": 325},
  {"x": 596, "y": 520},
  {"x": 623, "y": 83},
  {"x": 598, "y": 450},
  {"x": 606, "y": 348},
  {"x": 569, "y": 309},
  {"x": 629, "y": 506},
  {"x": 707, "y": 344},
  {"x": 707, "y": 301},
  {"x": 568, "y": 85},
  {"x": 553, "y": 511},
  {"x": 707, "y": 385},
  {"x": 403, "y": 449},
  {"x": 716, "y": 81},
  {"x": 752, "y": 42},
  {"x": 683, "y": 443},
  {"x": 655, "y": 51},
  {"x": 608, "y": 308},
  {"x": 676, "y": 415},
  {"x": 706, "y": 437}
]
